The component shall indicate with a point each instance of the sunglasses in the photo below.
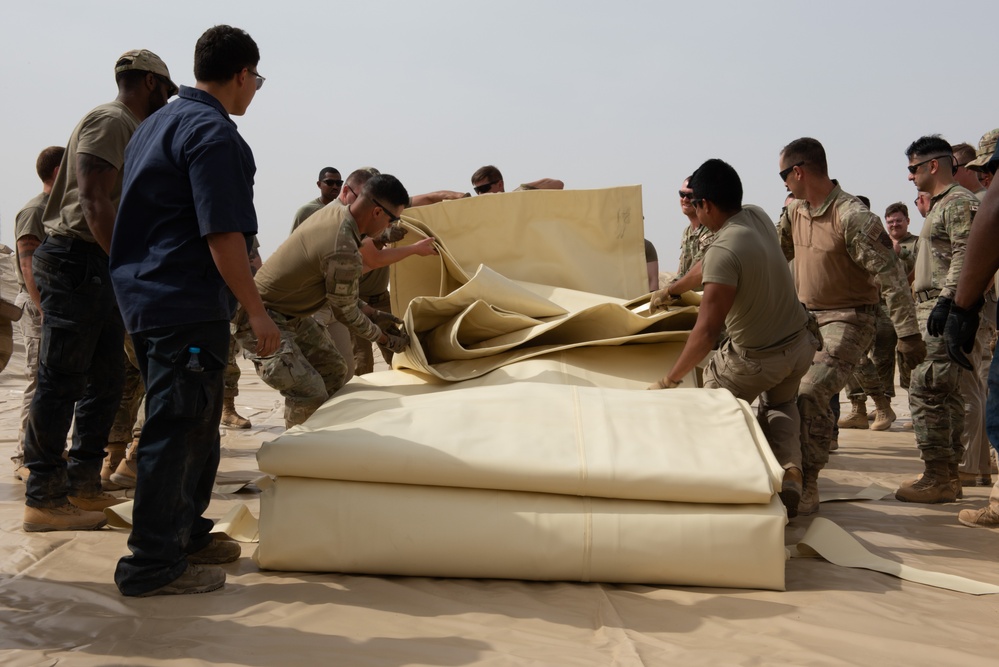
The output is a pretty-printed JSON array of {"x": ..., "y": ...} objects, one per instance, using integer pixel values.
[
  {"x": 686, "y": 195},
  {"x": 330, "y": 182},
  {"x": 392, "y": 219},
  {"x": 913, "y": 168},
  {"x": 696, "y": 203},
  {"x": 784, "y": 173},
  {"x": 484, "y": 188}
]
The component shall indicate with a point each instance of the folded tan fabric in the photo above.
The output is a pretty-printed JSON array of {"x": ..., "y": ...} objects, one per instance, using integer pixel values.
[
  {"x": 586, "y": 240},
  {"x": 681, "y": 445},
  {"x": 400, "y": 529}
]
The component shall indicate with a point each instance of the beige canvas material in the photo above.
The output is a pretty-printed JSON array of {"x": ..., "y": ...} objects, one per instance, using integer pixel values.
[
  {"x": 541, "y": 437},
  {"x": 408, "y": 530},
  {"x": 587, "y": 240}
]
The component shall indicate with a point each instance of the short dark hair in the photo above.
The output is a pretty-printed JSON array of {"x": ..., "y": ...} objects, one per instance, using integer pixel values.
[
  {"x": 48, "y": 160},
  {"x": 222, "y": 52},
  {"x": 897, "y": 207},
  {"x": 130, "y": 79},
  {"x": 488, "y": 172},
  {"x": 865, "y": 200},
  {"x": 931, "y": 144},
  {"x": 386, "y": 189},
  {"x": 328, "y": 170},
  {"x": 808, "y": 151},
  {"x": 718, "y": 182}
]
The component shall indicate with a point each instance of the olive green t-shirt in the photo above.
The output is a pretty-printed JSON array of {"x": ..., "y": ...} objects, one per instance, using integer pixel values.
[
  {"x": 29, "y": 223},
  {"x": 746, "y": 253},
  {"x": 103, "y": 133},
  {"x": 306, "y": 210}
]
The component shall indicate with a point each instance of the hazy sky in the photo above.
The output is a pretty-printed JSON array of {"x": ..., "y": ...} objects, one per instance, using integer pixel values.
[{"x": 596, "y": 94}]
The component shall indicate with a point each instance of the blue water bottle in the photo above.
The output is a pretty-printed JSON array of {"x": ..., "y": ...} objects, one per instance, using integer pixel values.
[{"x": 193, "y": 362}]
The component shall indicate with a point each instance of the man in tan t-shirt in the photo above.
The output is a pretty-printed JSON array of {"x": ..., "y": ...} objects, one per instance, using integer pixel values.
[
  {"x": 80, "y": 366},
  {"x": 748, "y": 290},
  {"x": 320, "y": 264}
]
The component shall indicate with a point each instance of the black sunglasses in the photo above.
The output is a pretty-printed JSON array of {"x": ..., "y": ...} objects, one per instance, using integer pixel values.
[
  {"x": 784, "y": 173},
  {"x": 913, "y": 168},
  {"x": 696, "y": 203},
  {"x": 484, "y": 188},
  {"x": 686, "y": 195},
  {"x": 392, "y": 219},
  {"x": 330, "y": 182}
]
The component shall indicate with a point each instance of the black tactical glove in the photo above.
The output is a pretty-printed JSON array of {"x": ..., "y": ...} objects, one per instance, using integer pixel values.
[
  {"x": 960, "y": 332},
  {"x": 385, "y": 321},
  {"x": 938, "y": 316},
  {"x": 397, "y": 340}
]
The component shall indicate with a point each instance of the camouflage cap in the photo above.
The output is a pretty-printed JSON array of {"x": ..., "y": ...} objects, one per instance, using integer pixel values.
[
  {"x": 986, "y": 148},
  {"x": 145, "y": 61}
]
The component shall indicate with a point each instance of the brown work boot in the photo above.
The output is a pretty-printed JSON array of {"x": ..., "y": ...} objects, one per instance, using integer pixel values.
[
  {"x": 933, "y": 486},
  {"x": 885, "y": 416},
  {"x": 216, "y": 552},
  {"x": 809, "y": 503},
  {"x": 95, "y": 503},
  {"x": 65, "y": 517},
  {"x": 987, "y": 517},
  {"x": 790, "y": 491},
  {"x": 968, "y": 478},
  {"x": 196, "y": 579},
  {"x": 125, "y": 474},
  {"x": 954, "y": 476},
  {"x": 857, "y": 418},
  {"x": 230, "y": 417},
  {"x": 115, "y": 452}
]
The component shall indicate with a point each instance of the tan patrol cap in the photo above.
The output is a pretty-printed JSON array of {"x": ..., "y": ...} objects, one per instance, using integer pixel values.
[
  {"x": 145, "y": 61},
  {"x": 986, "y": 148}
]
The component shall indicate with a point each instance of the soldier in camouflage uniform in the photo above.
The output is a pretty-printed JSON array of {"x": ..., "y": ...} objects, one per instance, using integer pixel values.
[
  {"x": 875, "y": 375},
  {"x": 935, "y": 397},
  {"x": 321, "y": 263},
  {"x": 839, "y": 248}
]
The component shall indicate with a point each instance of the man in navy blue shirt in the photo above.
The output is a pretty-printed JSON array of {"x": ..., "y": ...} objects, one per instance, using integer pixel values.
[{"x": 179, "y": 256}]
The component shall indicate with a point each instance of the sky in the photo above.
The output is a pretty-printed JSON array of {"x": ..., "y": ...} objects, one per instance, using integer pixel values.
[{"x": 595, "y": 94}]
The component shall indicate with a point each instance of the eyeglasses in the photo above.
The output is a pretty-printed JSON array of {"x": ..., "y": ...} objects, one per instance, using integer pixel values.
[
  {"x": 913, "y": 168},
  {"x": 392, "y": 218},
  {"x": 784, "y": 173},
  {"x": 330, "y": 182},
  {"x": 484, "y": 188},
  {"x": 260, "y": 79},
  {"x": 686, "y": 195},
  {"x": 696, "y": 203}
]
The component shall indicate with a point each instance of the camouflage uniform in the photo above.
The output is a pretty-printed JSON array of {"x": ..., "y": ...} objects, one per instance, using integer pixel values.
[
  {"x": 693, "y": 243},
  {"x": 935, "y": 392},
  {"x": 876, "y": 373},
  {"x": 317, "y": 265},
  {"x": 846, "y": 322},
  {"x": 373, "y": 290}
]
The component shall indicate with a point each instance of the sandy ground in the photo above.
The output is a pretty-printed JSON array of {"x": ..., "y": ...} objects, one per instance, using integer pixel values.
[{"x": 58, "y": 603}]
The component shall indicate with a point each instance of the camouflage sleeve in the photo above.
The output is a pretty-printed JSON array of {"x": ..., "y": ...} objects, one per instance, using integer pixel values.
[
  {"x": 342, "y": 271},
  {"x": 703, "y": 243},
  {"x": 957, "y": 221},
  {"x": 870, "y": 246},
  {"x": 784, "y": 234}
]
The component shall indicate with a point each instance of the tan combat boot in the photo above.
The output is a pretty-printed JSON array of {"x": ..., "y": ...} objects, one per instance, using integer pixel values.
[
  {"x": 790, "y": 491},
  {"x": 810, "y": 495},
  {"x": 230, "y": 417},
  {"x": 857, "y": 418},
  {"x": 66, "y": 517},
  {"x": 986, "y": 517},
  {"x": 933, "y": 486},
  {"x": 115, "y": 452},
  {"x": 884, "y": 415},
  {"x": 125, "y": 474},
  {"x": 95, "y": 503}
]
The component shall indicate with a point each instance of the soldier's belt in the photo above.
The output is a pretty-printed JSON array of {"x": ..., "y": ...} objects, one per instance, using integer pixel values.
[{"x": 926, "y": 295}]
